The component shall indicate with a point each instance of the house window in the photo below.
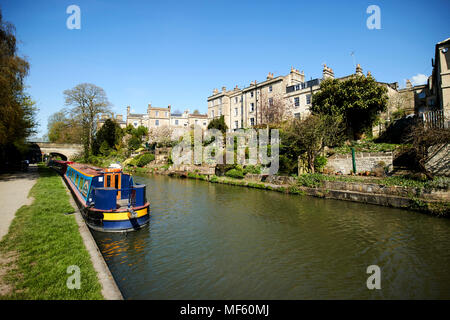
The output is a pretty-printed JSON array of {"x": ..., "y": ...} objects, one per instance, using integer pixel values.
[
  {"x": 212, "y": 113},
  {"x": 135, "y": 124},
  {"x": 270, "y": 101},
  {"x": 157, "y": 113},
  {"x": 176, "y": 122},
  {"x": 252, "y": 107},
  {"x": 296, "y": 101},
  {"x": 220, "y": 112},
  {"x": 204, "y": 123},
  {"x": 270, "y": 88},
  {"x": 297, "y": 116},
  {"x": 196, "y": 121},
  {"x": 236, "y": 111},
  {"x": 252, "y": 121},
  {"x": 236, "y": 124},
  {"x": 251, "y": 94},
  {"x": 308, "y": 99},
  {"x": 220, "y": 100},
  {"x": 236, "y": 100},
  {"x": 297, "y": 87},
  {"x": 157, "y": 122},
  {"x": 166, "y": 113}
]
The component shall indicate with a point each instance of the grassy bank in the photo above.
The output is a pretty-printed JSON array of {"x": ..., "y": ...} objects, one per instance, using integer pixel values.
[{"x": 42, "y": 243}]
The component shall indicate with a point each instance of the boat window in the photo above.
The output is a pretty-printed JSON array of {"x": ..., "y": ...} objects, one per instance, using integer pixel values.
[
  {"x": 80, "y": 186},
  {"x": 116, "y": 181},
  {"x": 85, "y": 188},
  {"x": 108, "y": 180}
]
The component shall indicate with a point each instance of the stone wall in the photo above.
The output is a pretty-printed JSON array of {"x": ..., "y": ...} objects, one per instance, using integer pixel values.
[
  {"x": 439, "y": 162},
  {"x": 203, "y": 169},
  {"x": 365, "y": 161},
  {"x": 162, "y": 155}
]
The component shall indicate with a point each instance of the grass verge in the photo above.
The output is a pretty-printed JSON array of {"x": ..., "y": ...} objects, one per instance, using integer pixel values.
[{"x": 45, "y": 242}]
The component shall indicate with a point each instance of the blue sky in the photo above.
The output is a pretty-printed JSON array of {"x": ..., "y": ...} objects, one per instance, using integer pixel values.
[{"x": 177, "y": 52}]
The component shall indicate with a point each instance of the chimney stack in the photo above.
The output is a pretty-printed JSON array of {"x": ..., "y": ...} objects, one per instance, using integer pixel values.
[
  {"x": 128, "y": 110},
  {"x": 215, "y": 91},
  {"x": 359, "y": 71},
  {"x": 408, "y": 84},
  {"x": 327, "y": 72},
  {"x": 224, "y": 89}
]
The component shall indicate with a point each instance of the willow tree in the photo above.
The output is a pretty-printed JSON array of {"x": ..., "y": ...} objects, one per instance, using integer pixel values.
[
  {"x": 17, "y": 111},
  {"x": 87, "y": 101}
]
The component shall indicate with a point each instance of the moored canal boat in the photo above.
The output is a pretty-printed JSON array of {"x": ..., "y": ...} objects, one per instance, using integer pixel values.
[{"x": 108, "y": 198}]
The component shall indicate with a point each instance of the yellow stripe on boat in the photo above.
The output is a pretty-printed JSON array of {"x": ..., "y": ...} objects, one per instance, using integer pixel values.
[{"x": 114, "y": 216}]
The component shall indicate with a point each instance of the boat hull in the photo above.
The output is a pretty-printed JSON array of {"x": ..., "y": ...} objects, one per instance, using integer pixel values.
[{"x": 111, "y": 221}]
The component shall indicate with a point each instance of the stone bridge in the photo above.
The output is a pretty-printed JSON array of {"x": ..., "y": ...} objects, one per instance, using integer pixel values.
[{"x": 65, "y": 150}]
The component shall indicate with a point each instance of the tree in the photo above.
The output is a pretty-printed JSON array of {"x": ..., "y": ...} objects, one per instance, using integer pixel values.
[
  {"x": 161, "y": 135},
  {"x": 359, "y": 100},
  {"x": 309, "y": 137},
  {"x": 108, "y": 136},
  {"x": 272, "y": 109},
  {"x": 219, "y": 124},
  {"x": 87, "y": 101},
  {"x": 135, "y": 136},
  {"x": 63, "y": 129},
  {"x": 17, "y": 110}
]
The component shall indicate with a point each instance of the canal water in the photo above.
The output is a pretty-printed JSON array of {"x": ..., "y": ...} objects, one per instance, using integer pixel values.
[{"x": 214, "y": 241}]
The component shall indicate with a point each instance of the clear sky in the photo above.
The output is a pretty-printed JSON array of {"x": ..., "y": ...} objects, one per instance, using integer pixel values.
[{"x": 177, "y": 52}]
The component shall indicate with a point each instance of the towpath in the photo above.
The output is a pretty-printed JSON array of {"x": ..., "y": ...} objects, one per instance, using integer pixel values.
[{"x": 14, "y": 189}]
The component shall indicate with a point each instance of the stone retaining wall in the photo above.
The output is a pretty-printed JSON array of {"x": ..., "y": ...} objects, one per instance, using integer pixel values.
[
  {"x": 439, "y": 162},
  {"x": 365, "y": 161}
]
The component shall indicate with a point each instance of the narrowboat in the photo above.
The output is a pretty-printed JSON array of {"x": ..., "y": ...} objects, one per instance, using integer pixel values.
[{"x": 108, "y": 198}]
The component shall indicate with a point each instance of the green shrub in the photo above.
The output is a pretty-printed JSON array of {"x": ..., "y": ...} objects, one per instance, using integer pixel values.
[
  {"x": 319, "y": 163},
  {"x": 252, "y": 169},
  {"x": 144, "y": 159},
  {"x": 235, "y": 173},
  {"x": 311, "y": 180}
]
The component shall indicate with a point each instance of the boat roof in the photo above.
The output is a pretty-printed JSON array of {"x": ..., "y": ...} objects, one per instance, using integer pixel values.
[{"x": 88, "y": 169}]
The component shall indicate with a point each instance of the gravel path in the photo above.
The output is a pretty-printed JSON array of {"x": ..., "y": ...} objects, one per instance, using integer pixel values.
[{"x": 14, "y": 189}]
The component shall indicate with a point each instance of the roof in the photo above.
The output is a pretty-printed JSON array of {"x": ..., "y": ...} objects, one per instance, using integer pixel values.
[
  {"x": 192, "y": 115},
  {"x": 87, "y": 169},
  {"x": 444, "y": 41}
]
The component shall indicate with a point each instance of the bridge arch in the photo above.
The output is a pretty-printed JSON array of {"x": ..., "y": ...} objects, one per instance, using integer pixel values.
[
  {"x": 57, "y": 154},
  {"x": 67, "y": 150}
]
